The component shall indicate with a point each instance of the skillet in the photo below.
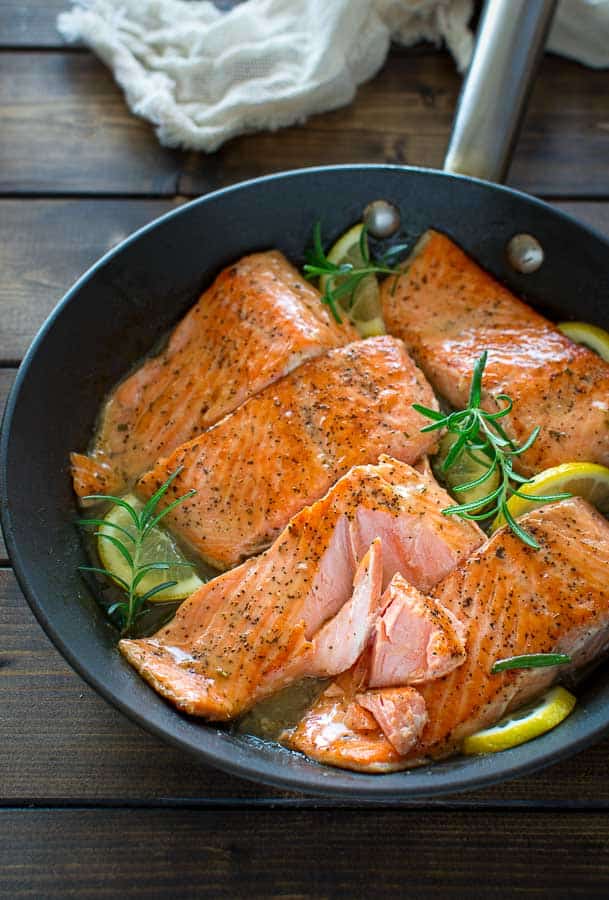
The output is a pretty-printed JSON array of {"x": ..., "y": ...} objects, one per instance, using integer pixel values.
[{"x": 118, "y": 309}]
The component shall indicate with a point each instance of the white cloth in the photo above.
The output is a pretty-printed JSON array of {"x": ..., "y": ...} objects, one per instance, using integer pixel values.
[{"x": 202, "y": 76}]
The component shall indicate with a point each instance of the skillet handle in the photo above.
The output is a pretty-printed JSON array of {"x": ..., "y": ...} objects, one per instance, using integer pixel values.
[{"x": 509, "y": 47}]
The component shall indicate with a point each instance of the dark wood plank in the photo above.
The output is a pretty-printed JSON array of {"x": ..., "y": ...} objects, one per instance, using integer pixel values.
[
  {"x": 60, "y": 740},
  {"x": 74, "y": 744},
  {"x": 30, "y": 23},
  {"x": 317, "y": 854},
  {"x": 66, "y": 129},
  {"x": 404, "y": 116},
  {"x": 46, "y": 245},
  {"x": 7, "y": 376},
  {"x": 594, "y": 214}
]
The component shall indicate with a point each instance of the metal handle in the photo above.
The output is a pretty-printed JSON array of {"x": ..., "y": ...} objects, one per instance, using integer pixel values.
[{"x": 509, "y": 47}]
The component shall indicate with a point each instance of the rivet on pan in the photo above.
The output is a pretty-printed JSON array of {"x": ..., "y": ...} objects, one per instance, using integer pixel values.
[
  {"x": 381, "y": 218},
  {"x": 525, "y": 253}
]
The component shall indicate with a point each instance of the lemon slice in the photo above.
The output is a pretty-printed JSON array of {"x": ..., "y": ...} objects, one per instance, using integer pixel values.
[
  {"x": 363, "y": 306},
  {"x": 587, "y": 480},
  {"x": 158, "y": 546},
  {"x": 464, "y": 469},
  {"x": 523, "y": 724},
  {"x": 591, "y": 335}
]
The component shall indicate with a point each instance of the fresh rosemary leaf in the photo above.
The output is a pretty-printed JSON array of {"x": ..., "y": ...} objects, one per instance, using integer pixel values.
[
  {"x": 530, "y": 661},
  {"x": 470, "y": 485},
  {"x": 156, "y": 519},
  {"x": 157, "y": 590},
  {"x": 119, "y": 546},
  {"x": 429, "y": 413},
  {"x": 149, "y": 567},
  {"x": 520, "y": 532},
  {"x": 342, "y": 280},
  {"x": 479, "y": 434},
  {"x": 97, "y": 570},
  {"x": 472, "y": 505},
  {"x": 475, "y": 391},
  {"x": 144, "y": 521},
  {"x": 85, "y": 523},
  {"x": 115, "y": 501},
  {"x": 151, "y": 505}
]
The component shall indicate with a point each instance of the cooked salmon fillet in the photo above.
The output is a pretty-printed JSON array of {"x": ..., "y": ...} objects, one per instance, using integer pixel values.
[
  {"x": 270, "y": 621},
  {"x": 448, "y": 310},
  {"x": 511, "y": 600},
  {"x": 284, "y": 448},
  {"x": 258, "y": 321}
]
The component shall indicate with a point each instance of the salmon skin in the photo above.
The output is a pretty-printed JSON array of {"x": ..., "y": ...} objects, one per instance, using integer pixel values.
[
  {"x": 282, "y": 449},
  {"x": 510, "y": 600},
  {"x": 258, "y": 321},
  {"x": 307, "y": 606},
  {"x": 448, "y": 310}
]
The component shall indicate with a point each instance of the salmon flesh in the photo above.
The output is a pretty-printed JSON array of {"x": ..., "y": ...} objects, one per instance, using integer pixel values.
[
  {"x": 285, "y": 447},
  {"x": 259, "y": 320},
  {"x": 509, "y": 600},
  {"x": 308, "y": 605},
  {"x": 448, "y": 310}
]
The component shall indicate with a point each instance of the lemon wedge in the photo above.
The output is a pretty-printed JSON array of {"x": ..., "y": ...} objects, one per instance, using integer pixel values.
[
  {"x": 523, "y": 724},
  {"x": 363, "y": 306},
  {"x": 592, "y": 336},
  {"x": 587, "y": 480},
  {"x": 158, "y": 546}
]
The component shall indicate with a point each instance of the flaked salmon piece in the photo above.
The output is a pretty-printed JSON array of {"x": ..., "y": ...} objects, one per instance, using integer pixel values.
[
  {"x": 400, "y": 713},
  {"x": 339, "y": 732},
  {"x": 359, "y": 729},
  {"x": 372, "y": 706},
  {"x": 284, "y": 448},
  {"x": 253, "y": 630},
  {"x": 259, "y": 320},
  {"x": 448, "y": 310},
  {"x": 342, "y": 640},
  {"x": 415, "y": 639},
  {"x": 511, "y": 600}
]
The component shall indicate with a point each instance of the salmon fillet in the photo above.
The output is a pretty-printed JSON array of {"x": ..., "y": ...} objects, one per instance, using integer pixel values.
[
  {"x": 258, "y": 321},
  {"x": 282, "y": 449},
  {"x": 510, "y": 600},
  {"x": 448, "y": 310},
  {"x": 272, "y": 620}
]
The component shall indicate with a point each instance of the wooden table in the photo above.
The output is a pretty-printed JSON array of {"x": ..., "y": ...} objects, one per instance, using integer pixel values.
[{"x": 91, "y": 805}]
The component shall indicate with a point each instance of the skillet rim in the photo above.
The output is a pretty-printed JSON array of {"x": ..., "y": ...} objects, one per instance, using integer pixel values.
[{"x": 365, "y": 788}]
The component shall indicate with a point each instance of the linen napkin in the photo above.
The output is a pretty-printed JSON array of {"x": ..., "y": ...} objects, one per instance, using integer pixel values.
[{"x": 203, "y": 76}]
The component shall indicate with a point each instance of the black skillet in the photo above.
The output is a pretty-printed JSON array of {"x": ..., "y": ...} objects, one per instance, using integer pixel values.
[{"x": 117, "y": 310}]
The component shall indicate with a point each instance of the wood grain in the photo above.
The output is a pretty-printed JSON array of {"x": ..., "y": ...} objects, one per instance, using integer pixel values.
[
  {"x": 33, "y": 23},
  {"x": 30, "y": 24},
  {"x": 45, "y": 245},
  {"x": 7, "y": 376},
  {"x": 302, "y": 854},
  {"x": 66, "y": 129},
  {"x": 61, "y": 741},
  {"x": 404, "y": 115}
]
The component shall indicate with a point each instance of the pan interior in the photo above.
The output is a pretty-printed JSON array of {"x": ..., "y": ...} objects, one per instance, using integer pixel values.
[{"x": 116, "y": 312}]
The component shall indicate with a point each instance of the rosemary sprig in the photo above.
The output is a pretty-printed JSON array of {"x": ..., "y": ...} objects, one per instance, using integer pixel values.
[
  {"x": 144, "y": 521},
  {"x": 530, "y": 661},
  {"x": 480, "y": 435},
  {"x": 342, "y": 279}
]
